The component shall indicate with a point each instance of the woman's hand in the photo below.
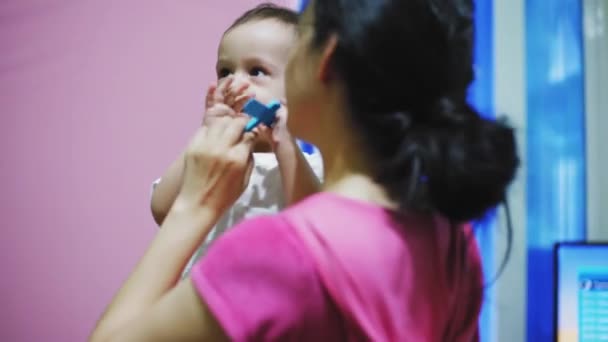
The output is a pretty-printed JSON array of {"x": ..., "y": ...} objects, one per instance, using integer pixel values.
[{"x": 218, "y": 162}]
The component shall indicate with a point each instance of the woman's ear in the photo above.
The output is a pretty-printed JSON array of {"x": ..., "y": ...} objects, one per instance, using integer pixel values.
[{"x": 324, "y": 72}]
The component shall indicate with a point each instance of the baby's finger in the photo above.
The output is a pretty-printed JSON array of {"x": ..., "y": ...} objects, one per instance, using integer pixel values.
[
  {"x": 229, "y": 99},
  {"x": 240, "y": 89},
  {"x": 230, "y": 94},
  {"x": 221, "y": 90},
  {"x": 240, "y": 101},
  {"x": 262, "y": 129},
  {"x": 248, "y": 138},
  {"x": 237, "y": 93},
  {"x": 263, "y": 132},
  {"x": 209, "y": 99}
]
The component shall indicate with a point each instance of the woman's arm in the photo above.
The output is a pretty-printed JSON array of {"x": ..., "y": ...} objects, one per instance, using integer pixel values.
[
  {"x": 217, "y": 164},
  {"x": 159, "y": 270},
  {"x": 258, "y": 283},
  {"x": 178, "y": 316}
]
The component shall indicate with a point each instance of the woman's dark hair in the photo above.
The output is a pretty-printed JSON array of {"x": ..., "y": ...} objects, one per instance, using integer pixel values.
[
  {"x": 267, "y": 10},
  {"x": 406, "y": 66}
]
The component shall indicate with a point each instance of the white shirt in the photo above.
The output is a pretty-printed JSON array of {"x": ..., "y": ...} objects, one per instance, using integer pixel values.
[{"x": 263, "y": 195}]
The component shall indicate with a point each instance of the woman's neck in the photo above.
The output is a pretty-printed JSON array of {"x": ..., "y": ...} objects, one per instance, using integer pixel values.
[
  {"x": 347, "y": 172},
  {"x": 351, "y": 178}
]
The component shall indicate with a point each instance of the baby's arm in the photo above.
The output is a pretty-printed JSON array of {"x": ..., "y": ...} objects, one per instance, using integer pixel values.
[
  {"x": 299, "y": 179},
  {"x": 165, "y": 192}
]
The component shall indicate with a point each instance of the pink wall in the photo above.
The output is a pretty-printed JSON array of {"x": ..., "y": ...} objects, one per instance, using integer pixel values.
[{"x": 96, "y": 98}]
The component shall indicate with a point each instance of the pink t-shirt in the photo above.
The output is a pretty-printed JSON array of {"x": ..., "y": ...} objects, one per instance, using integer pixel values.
[{"x": 332, "y": 268}]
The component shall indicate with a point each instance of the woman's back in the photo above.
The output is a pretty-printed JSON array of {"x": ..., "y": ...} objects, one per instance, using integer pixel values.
[
  {"x": 397, "y": 279},
  {"x": 346, "y": 270}
]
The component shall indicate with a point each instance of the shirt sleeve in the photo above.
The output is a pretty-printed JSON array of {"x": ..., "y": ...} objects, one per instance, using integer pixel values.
[
  {"x": 153, "y": 187},
  {"x": 260, "y": 284}
]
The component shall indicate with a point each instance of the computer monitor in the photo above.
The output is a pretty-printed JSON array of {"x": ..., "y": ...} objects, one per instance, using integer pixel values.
[{"x": 581, "y": 292}]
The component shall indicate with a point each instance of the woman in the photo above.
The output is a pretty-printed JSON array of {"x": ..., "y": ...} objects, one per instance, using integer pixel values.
[{"x": 381, "y": 253}]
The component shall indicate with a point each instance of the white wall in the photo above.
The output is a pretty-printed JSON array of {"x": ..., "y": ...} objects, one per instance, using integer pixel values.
[
  {"x": 596, "y": 93},
  {"x": 510, "y": 99}
]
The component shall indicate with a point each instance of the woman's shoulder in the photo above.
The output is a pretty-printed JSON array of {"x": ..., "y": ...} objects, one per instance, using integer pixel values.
[{"x": 261, "y": 284}]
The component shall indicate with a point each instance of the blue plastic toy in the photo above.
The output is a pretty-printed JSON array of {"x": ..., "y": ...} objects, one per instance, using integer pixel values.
[{"x": 260, "y": 113}]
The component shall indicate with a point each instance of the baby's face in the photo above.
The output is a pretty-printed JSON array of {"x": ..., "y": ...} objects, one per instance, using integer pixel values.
[{"x": 256, "y": 53}]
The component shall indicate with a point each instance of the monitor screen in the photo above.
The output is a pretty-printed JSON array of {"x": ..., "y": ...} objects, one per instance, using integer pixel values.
[{"x": 581, "y": 292}]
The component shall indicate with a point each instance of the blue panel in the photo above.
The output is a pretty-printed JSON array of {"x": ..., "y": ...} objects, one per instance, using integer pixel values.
[
  {"x": 482, "y": 91},
  {"x": 555, "y": 147},
  {"x": 302, "y": 5},
  {"x": 481, "y": 96}
]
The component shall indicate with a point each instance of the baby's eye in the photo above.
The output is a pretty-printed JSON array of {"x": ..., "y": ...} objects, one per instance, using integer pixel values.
[
  {"x": 223, "y": 72},
  {"x": 258, "y": 72}
]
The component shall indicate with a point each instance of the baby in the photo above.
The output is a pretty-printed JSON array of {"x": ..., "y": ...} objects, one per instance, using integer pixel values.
[{"x": 252, "y": 57}]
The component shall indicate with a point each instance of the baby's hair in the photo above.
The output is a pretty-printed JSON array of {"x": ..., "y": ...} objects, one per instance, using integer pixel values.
[{"x": 264, "y": 11}]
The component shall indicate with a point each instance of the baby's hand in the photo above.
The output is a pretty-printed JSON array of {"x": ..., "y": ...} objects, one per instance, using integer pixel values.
[
  {"x": 217, "y": 109},
  {"x": 227, "y": 93},
  {"x": 278, "y": 134}
]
